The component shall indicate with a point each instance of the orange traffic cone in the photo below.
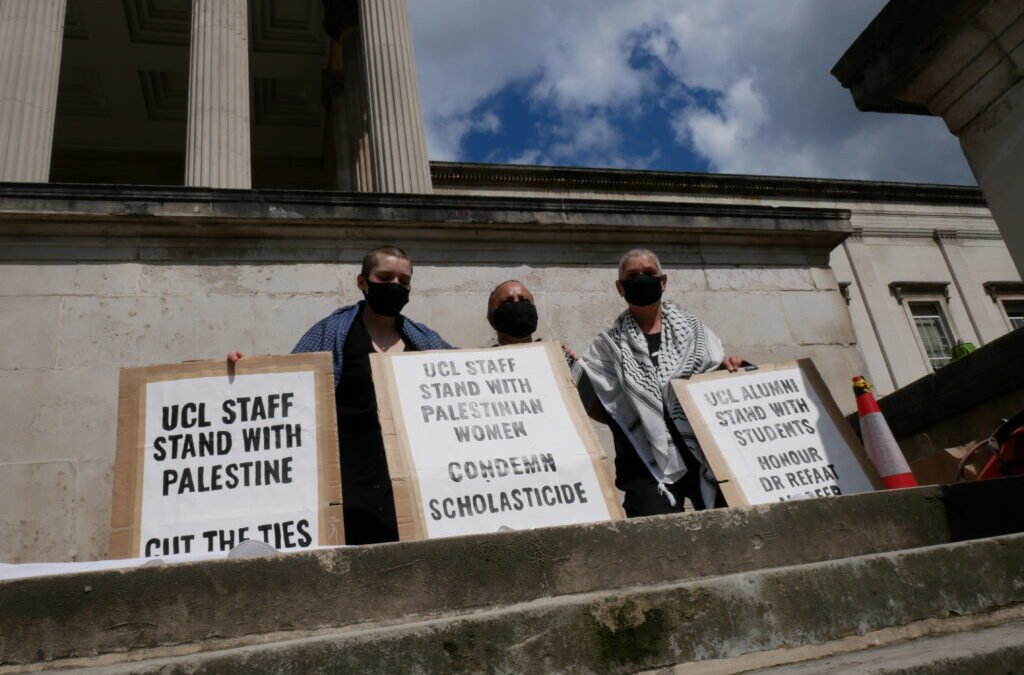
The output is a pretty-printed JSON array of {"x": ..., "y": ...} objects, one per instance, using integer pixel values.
[{"x": 885, "y": 454}]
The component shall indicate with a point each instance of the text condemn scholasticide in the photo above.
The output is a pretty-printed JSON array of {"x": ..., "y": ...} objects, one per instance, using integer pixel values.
[{"x": 493, "y": 442}]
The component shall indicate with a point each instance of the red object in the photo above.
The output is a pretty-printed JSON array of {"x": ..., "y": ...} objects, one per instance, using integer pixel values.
[
  {"x": 1008, "y": 460},
  {"x": 881, "y": 447},
  {"x": 866, "y": 403},
  {"x": 902, "y": 480}
]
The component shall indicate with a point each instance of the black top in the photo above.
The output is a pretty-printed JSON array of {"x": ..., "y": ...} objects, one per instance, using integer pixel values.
[
  {"x": 628, "y": 464},
  {"x": 368, "y": 507},
  {"x": 654, "y": 346},
  {"x": 355, "y": 399}
]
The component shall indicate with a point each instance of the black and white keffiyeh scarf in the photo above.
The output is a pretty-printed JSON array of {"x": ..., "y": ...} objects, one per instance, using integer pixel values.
[{"x": 637, "y": 394}]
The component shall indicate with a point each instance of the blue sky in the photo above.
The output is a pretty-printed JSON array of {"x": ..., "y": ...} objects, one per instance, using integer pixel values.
[{"x": 734, "y": 86}]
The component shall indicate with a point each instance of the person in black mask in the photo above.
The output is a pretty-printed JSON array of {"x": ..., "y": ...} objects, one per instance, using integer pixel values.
[
  {"x": 352, "y": 333},
  {"x": 512, "y": 314},
  {"x": 623, "y": 379}
]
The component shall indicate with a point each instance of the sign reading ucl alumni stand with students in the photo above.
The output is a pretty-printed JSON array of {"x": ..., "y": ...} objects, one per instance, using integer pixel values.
[
  {"x": 775, "y": 434},
  {"x": 210, "y": 455},
  {"x": 484, "y": 440}
]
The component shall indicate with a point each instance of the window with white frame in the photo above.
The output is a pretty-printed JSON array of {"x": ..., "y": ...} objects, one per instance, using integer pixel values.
[
  {"x": 1009, "y": 297},
  {"x": 933, "y": 331},
  {"x": 927, "y": 306},
  {"x": 1014, "y": 313}
]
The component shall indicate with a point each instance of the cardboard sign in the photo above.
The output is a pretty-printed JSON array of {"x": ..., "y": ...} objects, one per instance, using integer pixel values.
[
  {"x": 485, "y": 440},
  {"x": 209, "y": 456},
  {"x": 775, "y": 434}
]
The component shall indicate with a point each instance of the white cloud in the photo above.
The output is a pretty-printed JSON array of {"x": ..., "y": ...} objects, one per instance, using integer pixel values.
[
  {"x": 749, "y": 90},
  {"x": 445, "y": 134},
  {"x": 579, "y": 49},
  {"x": 489, "y": 122},
  {"x": 586, "y": 136},
  {"x": 588, "y": 140},
  {"x": 726, "y": 134},
  {"x": 528, "y": 156}
]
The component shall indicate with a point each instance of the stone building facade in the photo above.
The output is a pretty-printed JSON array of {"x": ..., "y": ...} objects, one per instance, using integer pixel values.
[
  {"x": 924, "y": 266},
  {"x": 961, "y": 61},
  {"x": 134, "y": 231}
]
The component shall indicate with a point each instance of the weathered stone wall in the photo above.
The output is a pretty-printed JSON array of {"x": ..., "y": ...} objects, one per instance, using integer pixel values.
[
  {"x": 81, "y": 299},
  {"x": 896, "y": 227}
]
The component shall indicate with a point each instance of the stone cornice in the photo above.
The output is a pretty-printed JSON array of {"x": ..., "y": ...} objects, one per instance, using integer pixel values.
[
  {"x": 999, "y": 289},
  {"x": 926, "y": 233},
  {"x": 895, "y": 47},
  {"x": 903, "y": 289},
  {"x": 59, "y": 210},
  {"x": 454, "y": 175}
]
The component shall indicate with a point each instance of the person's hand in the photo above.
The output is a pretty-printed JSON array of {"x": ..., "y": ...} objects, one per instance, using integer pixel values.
[
  {"x": 732, "y": 363},
  {"x": 233, "y": 357},
  {"x": 569, "y": 352}
]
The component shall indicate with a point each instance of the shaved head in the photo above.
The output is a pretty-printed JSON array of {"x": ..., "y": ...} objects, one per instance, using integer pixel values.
[{"x": 511, "y": 290}]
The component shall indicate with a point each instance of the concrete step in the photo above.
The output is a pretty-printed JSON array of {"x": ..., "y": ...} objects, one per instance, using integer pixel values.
[
  {"x": 986, "y": 637},
  {"x": 644, "y": 627},
  {"x": 199, "y": 604},
  {"x": 999, "y": 649}
]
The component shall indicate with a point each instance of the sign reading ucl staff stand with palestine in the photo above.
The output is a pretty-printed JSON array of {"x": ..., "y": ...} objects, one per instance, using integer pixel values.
[
  {"x": 775, "y": 434},
  {"x": 483, "y": 440},
  {"x": 210, "y": 455}
]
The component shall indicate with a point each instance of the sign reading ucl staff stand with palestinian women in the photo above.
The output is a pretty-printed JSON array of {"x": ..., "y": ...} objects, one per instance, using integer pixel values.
[
  {"x": 490, "y": 439},
  {"x": 209, "y": 455},
  {"x": 775, "y": 434}
]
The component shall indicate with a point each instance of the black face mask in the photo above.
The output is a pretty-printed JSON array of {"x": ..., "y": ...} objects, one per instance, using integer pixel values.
[
  {"x": 517, "y": 319},
  {"x": 386, "y": 299},
  {"x": 642, "y": 290}
]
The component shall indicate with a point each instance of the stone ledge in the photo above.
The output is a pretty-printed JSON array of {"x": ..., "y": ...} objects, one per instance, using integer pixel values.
[
  {"x": 996, "y": 649},
  {"x": 962, "y": 234},
  {"x": 58, "y": 199},
  {"x": 454, "y": 175},
  {"x": 53, "y": 617},
  {"x": 50, "y": 214},
  {"x": 653, "y": 626},
  {"x": 915, "y": 637}
]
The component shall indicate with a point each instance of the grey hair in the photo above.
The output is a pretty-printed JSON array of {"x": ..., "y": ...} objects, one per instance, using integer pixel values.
[{"x": 633, "y": 253}]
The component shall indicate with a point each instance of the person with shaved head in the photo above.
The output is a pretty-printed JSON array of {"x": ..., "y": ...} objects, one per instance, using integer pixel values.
[
  {"x": 512, "y": 313},
  {"x": 375, "y": 324}
]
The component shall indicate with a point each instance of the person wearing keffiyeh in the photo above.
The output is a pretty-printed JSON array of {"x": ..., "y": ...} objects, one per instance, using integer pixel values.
[{"x": 624, "y": 380}]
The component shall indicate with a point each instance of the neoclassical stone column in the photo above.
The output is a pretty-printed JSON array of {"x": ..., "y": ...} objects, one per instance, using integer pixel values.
[
  {"x": 31, "y": 35},
  {"x": 218, "y": 153},
  {"x": 357, "y": 118},
  {"x": 398, "y": 142}
]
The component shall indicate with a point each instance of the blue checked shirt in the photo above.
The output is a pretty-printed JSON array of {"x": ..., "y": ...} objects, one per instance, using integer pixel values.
[{"x": 329, "y": 334}]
